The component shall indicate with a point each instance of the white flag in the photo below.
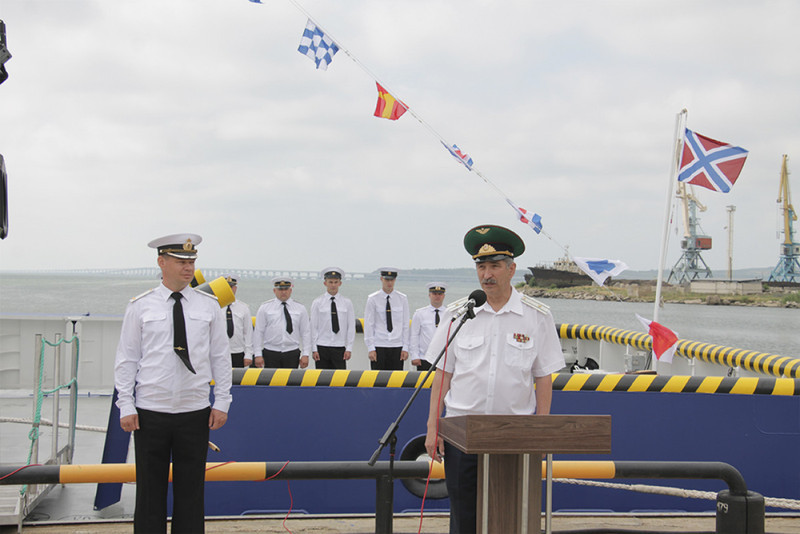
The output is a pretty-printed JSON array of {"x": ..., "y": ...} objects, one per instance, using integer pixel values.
[{"x": 599, "y": 269}]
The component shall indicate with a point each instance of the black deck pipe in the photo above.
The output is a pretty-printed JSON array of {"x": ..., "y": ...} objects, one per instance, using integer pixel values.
[
  {"x": 689, "y": 470},
  {"x": 50, "y": 474},
  {"x": 738, "y": 511}
]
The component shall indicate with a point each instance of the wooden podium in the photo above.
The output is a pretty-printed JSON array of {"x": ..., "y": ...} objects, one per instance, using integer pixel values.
[{"x": 509, "y": 461}]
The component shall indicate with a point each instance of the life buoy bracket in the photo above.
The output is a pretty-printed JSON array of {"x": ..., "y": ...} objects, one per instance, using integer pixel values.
[{"x": 415, "y": 450}]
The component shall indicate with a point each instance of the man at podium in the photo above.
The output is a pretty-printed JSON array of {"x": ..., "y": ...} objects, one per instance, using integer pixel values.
[{"x": 492, "y": 365}]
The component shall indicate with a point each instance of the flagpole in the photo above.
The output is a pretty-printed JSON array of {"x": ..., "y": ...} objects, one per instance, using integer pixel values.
[{"x": 680, "y": 122}]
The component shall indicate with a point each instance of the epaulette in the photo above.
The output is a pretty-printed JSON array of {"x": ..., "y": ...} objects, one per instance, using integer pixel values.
[
  {"x": 535, "y": 304},
  {"x": 209, "y": 295},
  {"x": 137, "y": 297},
  {"x": 453, "y": 306}
]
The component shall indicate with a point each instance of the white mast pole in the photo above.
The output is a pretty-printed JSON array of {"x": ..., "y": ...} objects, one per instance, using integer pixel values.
[
  {"x": 680, "y": 121},
  {"x": 731, "y": 209}
]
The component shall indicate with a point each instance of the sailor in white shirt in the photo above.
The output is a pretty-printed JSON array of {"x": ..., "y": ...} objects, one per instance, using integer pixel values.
[
  {"x": 333, "y": 324},
  {"x": 239, "y": 326},
  {"x": 282, "y": 335},
  {"x": 424, "y": 323},
  {"x": 492, "y": 365},
  {"x": 386, "y": 328},
  {"x": 172, "y": 345}
]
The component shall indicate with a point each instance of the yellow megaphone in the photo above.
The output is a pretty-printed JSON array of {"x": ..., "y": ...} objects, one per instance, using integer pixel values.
[
  {"x": 198, "y": 278},
  {"x": 218, "y": 287}
]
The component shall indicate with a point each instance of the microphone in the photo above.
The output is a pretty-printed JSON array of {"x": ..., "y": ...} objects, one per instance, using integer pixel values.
[{"x": 476, "y": 299}]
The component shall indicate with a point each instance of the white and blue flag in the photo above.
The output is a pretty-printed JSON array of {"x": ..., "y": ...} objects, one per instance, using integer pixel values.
[
  {"x": 317, "y": 46},
  {"x": 599, "y": 269},
  {"x": 461, "y": 156}
]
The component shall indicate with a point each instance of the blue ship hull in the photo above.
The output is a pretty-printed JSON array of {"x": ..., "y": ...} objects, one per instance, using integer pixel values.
[{"x": 757, "y": 433}]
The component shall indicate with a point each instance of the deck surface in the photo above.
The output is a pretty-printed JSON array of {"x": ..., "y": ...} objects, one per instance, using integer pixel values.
[{"x": 430, "y": 525}]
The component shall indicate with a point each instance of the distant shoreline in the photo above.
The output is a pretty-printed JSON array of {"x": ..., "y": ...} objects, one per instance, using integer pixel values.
[{"x": 778, "y": 299}]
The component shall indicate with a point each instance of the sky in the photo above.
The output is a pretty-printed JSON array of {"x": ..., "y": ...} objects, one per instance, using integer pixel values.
[{"x": 124, "y": 121}]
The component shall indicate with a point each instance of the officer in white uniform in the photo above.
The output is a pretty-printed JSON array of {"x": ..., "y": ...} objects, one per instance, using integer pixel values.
[
  {"x": 172, "y": 345},
  {"x": 239, "y": 326},
  {"x": 386, "y": 328},
  {"x": 282, "y": 335},
  {"x": 493, "y": 363},
  {"x": 424, "y": 323},
  {"x": 333, "y": 324}
]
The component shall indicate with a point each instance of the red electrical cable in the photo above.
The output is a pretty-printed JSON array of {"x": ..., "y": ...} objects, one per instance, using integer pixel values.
[{"x": 15, "y": 471}]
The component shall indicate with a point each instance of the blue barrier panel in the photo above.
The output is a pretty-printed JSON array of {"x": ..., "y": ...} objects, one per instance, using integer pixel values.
[
  {"x": 269, "y": 423},
  {"x": 757, "y": 434}
]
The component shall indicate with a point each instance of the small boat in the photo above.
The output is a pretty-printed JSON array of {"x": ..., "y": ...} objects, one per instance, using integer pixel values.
[{"x": 561, "y": 273}]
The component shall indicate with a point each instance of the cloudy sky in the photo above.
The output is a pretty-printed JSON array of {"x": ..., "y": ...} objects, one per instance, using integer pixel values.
[{"x": 124, "y": 121}]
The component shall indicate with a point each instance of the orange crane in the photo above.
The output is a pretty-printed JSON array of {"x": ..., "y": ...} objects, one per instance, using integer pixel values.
[
  {"x": 788, "y": 268},
  {"x": 690, "y": 266}
]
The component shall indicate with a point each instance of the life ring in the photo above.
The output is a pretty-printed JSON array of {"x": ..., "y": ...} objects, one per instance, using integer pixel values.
[{"x": 415, "y": 450}]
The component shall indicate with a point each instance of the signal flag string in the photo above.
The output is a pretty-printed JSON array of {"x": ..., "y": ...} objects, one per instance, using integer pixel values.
[
  {"x": 523, "y": 215},
  {"x": 413, "y": 113}
]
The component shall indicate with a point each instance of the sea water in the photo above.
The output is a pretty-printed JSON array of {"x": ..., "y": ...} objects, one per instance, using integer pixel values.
[{"x": 772, "y": 330}]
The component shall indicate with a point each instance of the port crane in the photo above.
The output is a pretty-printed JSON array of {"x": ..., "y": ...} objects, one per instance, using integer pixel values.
[
  {"x": 788, "y": 267},
  {"x": 690, "y": 265}
]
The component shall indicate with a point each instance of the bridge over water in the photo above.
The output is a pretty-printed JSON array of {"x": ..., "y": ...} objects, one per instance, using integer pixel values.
[{"x": 210, "y": 273}]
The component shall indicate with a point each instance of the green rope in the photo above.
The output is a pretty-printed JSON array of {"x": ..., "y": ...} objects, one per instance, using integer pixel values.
[{"x": 39, "y": 395}]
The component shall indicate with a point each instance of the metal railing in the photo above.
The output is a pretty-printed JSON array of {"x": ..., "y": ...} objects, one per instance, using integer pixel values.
[{"x": 739, "y": 511}]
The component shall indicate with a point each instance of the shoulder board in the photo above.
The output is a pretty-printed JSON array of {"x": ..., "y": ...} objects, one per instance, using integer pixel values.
[
  {"x": 373, "y": 294},
  {"x": 209, "y": 295},
  {"x": 535, "y": 304},
  {"x": 457, "y": 304},
  {"x": 400, "y": 293},
  {"x": 137, "y": 297}
]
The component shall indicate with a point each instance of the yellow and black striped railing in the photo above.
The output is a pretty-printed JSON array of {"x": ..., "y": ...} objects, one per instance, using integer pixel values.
[
  {"x": 330, "y": 378},
  {"x": 759, "y": 362},
  {"x": 561, "y": 381},
  {"x": 676, "y": 384}
]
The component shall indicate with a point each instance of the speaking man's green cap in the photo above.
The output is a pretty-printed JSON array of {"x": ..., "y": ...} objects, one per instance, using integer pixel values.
[{"x": 492, "y": 243}]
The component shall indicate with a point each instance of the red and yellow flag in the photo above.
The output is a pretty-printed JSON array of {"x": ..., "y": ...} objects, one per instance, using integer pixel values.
[{"x": 388, "y": 107}]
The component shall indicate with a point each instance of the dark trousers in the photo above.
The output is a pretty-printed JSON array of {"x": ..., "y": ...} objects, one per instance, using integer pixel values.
[
  {"x": 424, "y": 365},
  {"x": 461, "y": 479},
  {"x": 285, "y": 360},
  {"x": 183, "y": 438},
  {"x": 388, "y": 359},
  {"x": 237, "y": 359},
  {"x": 330, "y": 358}
]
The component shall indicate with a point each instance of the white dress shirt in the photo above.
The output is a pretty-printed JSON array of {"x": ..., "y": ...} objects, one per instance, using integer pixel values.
[
  {"x": 375, "y": 332},
  {"x": 270, "y": 331},
  {"x": 321, "y": 330},
  {"x": 242, "y": 340},
  {"x": 495, "y": 358},
  {"x": 149, "y": 375},
  {"x": 423, "y": 327}
]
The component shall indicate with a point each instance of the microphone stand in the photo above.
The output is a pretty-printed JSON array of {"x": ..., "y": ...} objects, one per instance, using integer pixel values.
[{"x": 390, "y": 437}]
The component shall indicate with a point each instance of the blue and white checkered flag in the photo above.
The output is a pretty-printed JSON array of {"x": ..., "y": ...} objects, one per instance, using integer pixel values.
[{"x": 317, "y": 46}]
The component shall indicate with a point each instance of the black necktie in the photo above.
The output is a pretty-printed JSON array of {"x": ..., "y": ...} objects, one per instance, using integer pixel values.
[
  {"x": 288, "y": 318},
  {"x": 388, "y": 314},
  {"x": 334, "y": 317},
  {"x": 436, "y": 322},
  {"x": 229, "y": 315},
  {"x": 179, "y": 332}
]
